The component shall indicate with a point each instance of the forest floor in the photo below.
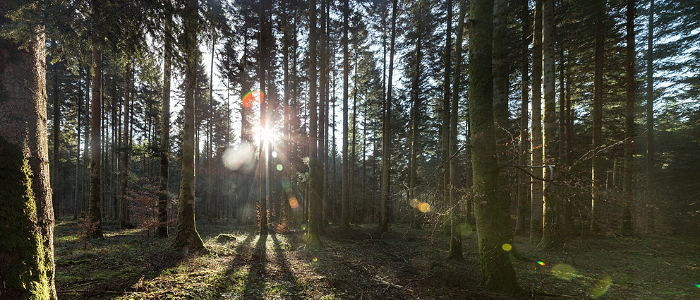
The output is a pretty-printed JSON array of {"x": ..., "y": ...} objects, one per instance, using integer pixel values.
[{"x": 359, "y": 264}]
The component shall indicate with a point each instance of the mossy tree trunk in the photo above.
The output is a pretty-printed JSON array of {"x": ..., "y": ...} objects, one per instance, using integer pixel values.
[
  {"x": 26, "y": 247},
  {"x": 187, "y": 235},
  {"x": 491, "y": 211}
]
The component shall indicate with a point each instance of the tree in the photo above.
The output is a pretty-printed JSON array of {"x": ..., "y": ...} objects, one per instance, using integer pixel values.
[
  {"x": 27, "y": 265},
  {"x": 550, "y": 234},
  {"x": 124, "y": 204},
  {"x": 597, "y": 112},
  {"x": 649, "y": 106},
  {"x": 456, "y": 240},
  {"x": 536, "y": 142},
  {"x": 492, "y": 212},
  {"x": 162, "y": 230},
  {"x": 345, "y": 209},
  {"x": 95, "y": 202},
  {"x": 314, "y": 180},
  {"x": 187, "y": 235},
  {"x": 386, "y": 130},
  {"x": 523, "y": 178},
  {"x": 629, "y": 167}
]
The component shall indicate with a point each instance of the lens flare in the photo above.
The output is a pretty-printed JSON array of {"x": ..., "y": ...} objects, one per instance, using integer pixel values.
[
  {"x": 294, "y": 204},
  {"x": 274, "y": 154},
  {"x": 507, "y": 247},
  {"x": 239, "y": 158},
  {"x": 252, "y": 97},
  {"x": 414, "y": 202},
  {"x": 697, "y": 285},
  {"x": 315, "y": 259},
  {"x": 464, "y": 229},
  {"x": 279, "y": 167},
  {"x": 424, "y": 207},
  {"x": 564, "y": 272},
  {"x": 541, "y": 263},
  {"x": 601, "y": 287}
]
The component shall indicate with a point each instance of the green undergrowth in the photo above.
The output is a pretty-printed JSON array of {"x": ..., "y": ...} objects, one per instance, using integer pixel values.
[{"x": 360, "y": 263}]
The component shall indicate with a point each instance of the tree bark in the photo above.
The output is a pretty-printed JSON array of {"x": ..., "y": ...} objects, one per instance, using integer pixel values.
[
  {"x": 162, "y": 230},
  {"x": 124, "y": 221},
  {"x": 187, "y": 236},
  {"x": 345, "y": 205},
  {"x": 650, "y": 187},
  {"x": 314, "y": 180},
  {"x": 94, "y": 213},
  {"x": 386, "y": 130},
  {"x": 597, "y": 113},
  {"x": 523, "y": 211},
  {"x": 629, "y": 173},
  {"x": 550, "y": 232},
  {"x": 455, "y": 214},
  {"x": 26, "y": 248},
  {"x": 536, "y": 145},
  {"x": 492, "y": 212}
]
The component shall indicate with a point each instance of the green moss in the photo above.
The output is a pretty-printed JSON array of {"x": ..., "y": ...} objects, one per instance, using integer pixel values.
[{"x": 27, "y": 273}]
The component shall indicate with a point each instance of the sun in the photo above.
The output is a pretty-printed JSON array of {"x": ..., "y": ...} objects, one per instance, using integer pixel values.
[{"x": 264, "y": 134}]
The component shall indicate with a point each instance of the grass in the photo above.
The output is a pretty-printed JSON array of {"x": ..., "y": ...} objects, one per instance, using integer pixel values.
[{"x": 360, "y": 264}]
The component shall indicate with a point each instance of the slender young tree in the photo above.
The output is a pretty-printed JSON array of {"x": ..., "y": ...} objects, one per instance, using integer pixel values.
[
  {"x": 187, "y": 235},
  {"x": 629, "y": 167},
  {"x": 27, "y": 265},
  {"x": 445, "y": 136},
  {"x": 492, "y": 213}
]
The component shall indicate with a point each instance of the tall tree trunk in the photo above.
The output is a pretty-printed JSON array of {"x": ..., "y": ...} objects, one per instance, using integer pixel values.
[
  {"x": 187, "y": 236},
  {"x": 264, "y": 158},
  {"x": 386, "y": 130},
  {"x": 322, "y": 108},
  {"x": 596, "y": 162},
  {"x": 94, "y": 213},
  {"x": 550, "y": 233},
  {"x": 629, "y": 173},
  {"x": 523, "y": 211},
  {"x": 314, "y": 180},
  {"x": 162, "y": 230},
  {"x": 650, "y": 187},
  {"x": 445, "y": 113},
  {"x": 27, "y": 264},
  {"x": 415, "y": 136},
  {"x": 345, "y": 206},
  {"x": 501, "y": 114},
  {"x": 56, "y": 143},
  {"x": 124, "y": 221},
  {"x": 78, "y": 169},
  {"x": 536, "y": 145},
  {"x": 492, "y": 212},
  {"x": 455, "y": 214}
]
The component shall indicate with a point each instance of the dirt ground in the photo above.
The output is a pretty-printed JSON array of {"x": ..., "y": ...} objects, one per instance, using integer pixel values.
[{"x": 361, "y": 264}]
